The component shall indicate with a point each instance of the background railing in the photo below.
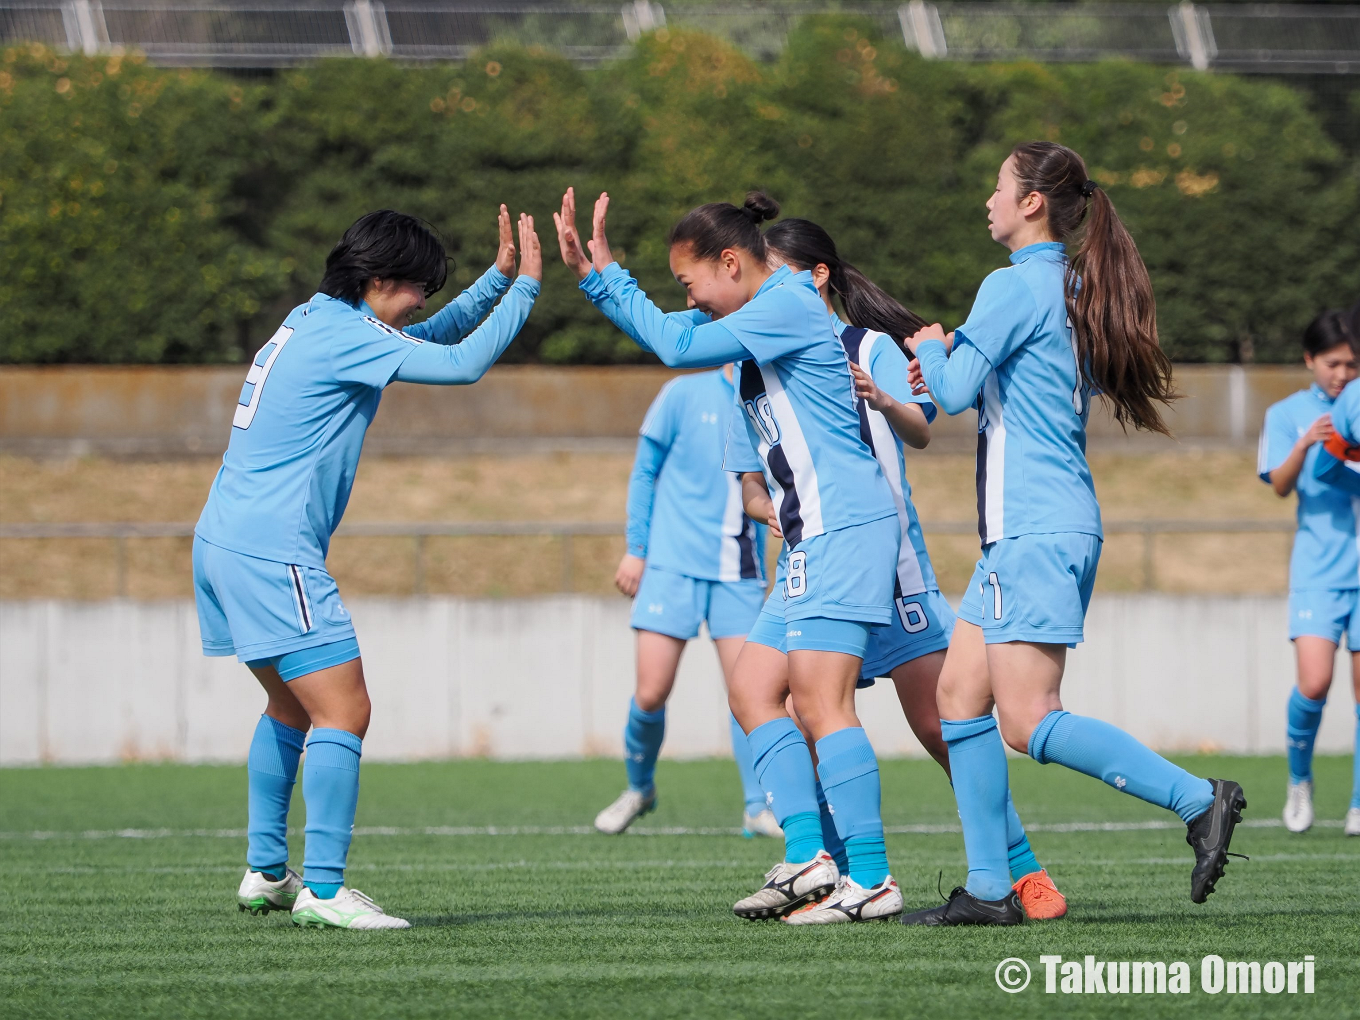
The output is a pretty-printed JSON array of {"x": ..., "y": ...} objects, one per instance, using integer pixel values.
[
  {"x": 566, "y": 531},
  {"x": 279, "y": 33}
]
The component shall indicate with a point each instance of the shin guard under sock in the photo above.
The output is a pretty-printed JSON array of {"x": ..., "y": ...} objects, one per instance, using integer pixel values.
[
  {"x": 1304, "y": 717},
  {"x": 1018, "y": 851},
  {"x": 849, "y": 777},
  {"x": 272, "y": 771},
  {"x": 746, "y": 769},
  {"x": 642, "y": 737},
  {"x": 330, "y": 786},
  {"x": 784, "y": 768},
  {"x": 977, "y": 763}
]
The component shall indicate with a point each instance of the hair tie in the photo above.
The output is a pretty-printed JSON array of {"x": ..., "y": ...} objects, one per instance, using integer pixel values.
[{"x": 1088, "y": 189}]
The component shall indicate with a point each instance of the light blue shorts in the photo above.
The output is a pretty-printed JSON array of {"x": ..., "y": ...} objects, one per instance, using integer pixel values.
[
  {"x": 922, "y": 624},
  {"x": 673, "y": 604},
  {"x": 1033, "y": 588},
  {"x": 1326, "y": 614},
  {"x": 256, "y": 609}
]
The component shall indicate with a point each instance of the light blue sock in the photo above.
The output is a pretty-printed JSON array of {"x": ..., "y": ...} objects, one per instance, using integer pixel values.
[
  {"x": 849, "y": 775},
  {"x": 642, "y": 736},
  {"x": 784, "y": 768},
  {"x": 330, "y": 786},
  {"x": 1105, "y": 752},
  {"x": 831, "y": 839},
  {"x": 746, "y": 769},
  {"x": 1018, "y": 851},
  {"x": 1305, "y": 716},
  {"x": 977, "y": 763},
  {"x": 1355, "y": 782},
  {"x": 272, "y": 771}
]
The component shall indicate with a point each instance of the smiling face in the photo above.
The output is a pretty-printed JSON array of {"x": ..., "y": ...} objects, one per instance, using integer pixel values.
[
  {"x": 395, "y": 301},
  {"x": 716, "y": 287},
  {"x": 1333, "y": 368}
]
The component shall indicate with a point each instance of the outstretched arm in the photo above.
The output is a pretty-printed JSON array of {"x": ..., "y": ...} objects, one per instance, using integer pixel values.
[
  {"x": 457, "y": 318},
  {"x": 451, "y": 365},
  {"x": 681, "y": 339}
]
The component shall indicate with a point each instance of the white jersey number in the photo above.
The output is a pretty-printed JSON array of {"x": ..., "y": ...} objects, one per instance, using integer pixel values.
[
  {"x": 795, "y": 579},
  {"x": 1079, "y": 394},
  {"x": 255, "y": 378},
  {"x": 995, "y": 582},
  {"x": 762, "y": 417},
  {"x": 913, "y": 616}
]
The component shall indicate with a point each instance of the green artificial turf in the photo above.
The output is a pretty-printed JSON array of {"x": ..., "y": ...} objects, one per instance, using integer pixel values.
[{"x": 554, "y": 922}]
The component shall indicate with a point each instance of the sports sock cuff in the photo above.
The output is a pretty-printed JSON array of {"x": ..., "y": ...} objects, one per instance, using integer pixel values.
[
  {"x": 648, "y": 717},
  {"x": 1038, "y": 740},
  {"x": 337, "y": 749},
  {"x": 275, "y": 749},
  {"x": 1301, "y": 702},
  {"x": 961, "y": 729},
  {"x": 843, "y": 756},
  {"x": 768, "y": 738}
]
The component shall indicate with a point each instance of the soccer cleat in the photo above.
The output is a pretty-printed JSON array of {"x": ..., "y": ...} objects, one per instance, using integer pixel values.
[
  {"x": 1298, "y": 806},
  {"x": 628, "y": 808},
  {"x": 1210, "y": 835},
  {"x": 850, "y": 901},
  {"x": 1353, "y": 822},
  {"x": 349, "y": 908},
  {"x": 259, "y": 894},
  {"x": 788, "y": 886},
  {"x": 760, "y": 824},
  {"x": 963, "y": 907},
  {"x": 1040, "y": 897}
]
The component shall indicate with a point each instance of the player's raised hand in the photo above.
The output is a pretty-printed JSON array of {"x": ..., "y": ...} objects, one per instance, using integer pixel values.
[
  {"x": 530, "y": 252},
  {"x": 915, "y": 379},
  {"x": 1319, "y": 432},
  {"x": 505, "y": 250},
  {"x": 599, "y": 244},
  {"x": 568, "y": 240},
  {"x": 867, "y": 390},
  {"x": 932, "y": 332}
]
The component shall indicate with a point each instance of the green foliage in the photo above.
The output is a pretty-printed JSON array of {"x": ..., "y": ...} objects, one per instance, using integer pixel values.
[{"x": 166, "y": 215}]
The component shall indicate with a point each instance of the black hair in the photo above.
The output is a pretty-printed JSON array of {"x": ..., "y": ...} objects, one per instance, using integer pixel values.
[
  {"x": 804, "y": 245},
  {"x": 1328, "y": 330},
  {"x": 710, "y": 229},
  {"x": 385, "y": 245}
]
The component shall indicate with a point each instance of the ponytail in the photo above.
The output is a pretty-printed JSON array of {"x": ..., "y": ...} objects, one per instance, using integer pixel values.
[
  {"x": 1107, "y": 288},
  {"x": 711, "y": 229},
  {"x": 804, "y": 245}
]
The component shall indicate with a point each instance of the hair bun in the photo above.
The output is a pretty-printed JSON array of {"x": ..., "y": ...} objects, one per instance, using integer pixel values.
[{"x": 760, "y": 206}]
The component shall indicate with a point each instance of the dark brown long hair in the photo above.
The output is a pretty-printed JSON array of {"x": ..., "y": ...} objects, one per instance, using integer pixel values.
[{"x": 1109, "y": 295}]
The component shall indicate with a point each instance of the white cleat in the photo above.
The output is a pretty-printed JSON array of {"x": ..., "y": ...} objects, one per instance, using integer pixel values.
[
  {"x": 1353, "y": 822},
  {"x": 852, "y": 902},
  {"x": 259, "y": 894},
  {"x": 630, "y": 806},
  {"x": 349, "y": 908},
  {"x": 788, "y": 886},
  {"x": 760, "y": 824},
  {"x": 1298, "y": 806}
]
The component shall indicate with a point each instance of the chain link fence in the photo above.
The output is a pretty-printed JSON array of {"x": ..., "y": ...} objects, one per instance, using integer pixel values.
[{"x": 280, "y": 33}]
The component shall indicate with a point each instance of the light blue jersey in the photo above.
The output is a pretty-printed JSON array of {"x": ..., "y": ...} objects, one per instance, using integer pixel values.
[
  {"x": 794, "y": 386},
  {"x": 685, "y": 513},
  {"x": 1324, "y": 556},
  {"x": 1015, "y": 360},
  {"x": 309, "y": 397},
  {"x": 879, "y": 355}
]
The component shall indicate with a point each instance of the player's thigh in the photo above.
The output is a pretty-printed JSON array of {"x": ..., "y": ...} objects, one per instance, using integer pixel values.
[
  {"x": 283, "y": 703},
  {"x": 823, "y": 684},
  {"x": 335, "y": 697},
  {"x": 759, "y": 685},
  {"x": 669, "y": 603},
  {"x": 1026, "y": 680},
  {"x": 658, "y": 659},
  {"x": 1318, "y": 619},
  {"x": 917, "y": 683},
  {"x": 1316, "y": 660},
  {"x": 965, "y": 684},
  {"x": 729, "y": 649}
]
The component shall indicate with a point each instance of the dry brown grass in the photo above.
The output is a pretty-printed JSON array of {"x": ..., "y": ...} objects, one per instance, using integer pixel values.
[{"x": 587, "y": 487}]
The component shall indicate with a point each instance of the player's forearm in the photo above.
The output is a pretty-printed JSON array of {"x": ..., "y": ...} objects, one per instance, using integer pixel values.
[
  {"x": 955, "y": 379},
  {"x": 676, "y": 340},
  {"x": 755, "y": 497},
  {"x": 908, "y": 421},
  {"x": 457, "y": 318},
  {"x": 463, "y": 363},
  {"x": 642, "y": 495},
  {"x": 1286, "y": 476}
]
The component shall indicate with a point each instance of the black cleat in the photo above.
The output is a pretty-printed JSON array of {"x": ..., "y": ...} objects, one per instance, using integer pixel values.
[
  {"x": 963, "y": 907},
  {"x": 1210, "y": 834}
]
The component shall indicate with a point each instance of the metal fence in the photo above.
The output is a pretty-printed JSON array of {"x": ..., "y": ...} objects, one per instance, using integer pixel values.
[
  {"x": 279, "y": 33},
  {"x": 565, "y": 532}
]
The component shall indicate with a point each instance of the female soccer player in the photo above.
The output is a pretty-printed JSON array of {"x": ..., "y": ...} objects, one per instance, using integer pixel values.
[
  {"x": 260, "y": 580},
  {"x": 693, "y": 556},
  {"x": 1324, "y": 569},
  {"x": 835, "y": 512},
  {"x": 1032, "y": 376},
  {"x": 911, "y": 648}
]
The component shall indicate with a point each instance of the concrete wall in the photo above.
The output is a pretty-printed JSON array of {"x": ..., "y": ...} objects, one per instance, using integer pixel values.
[
  {"x": 157, "y": 411},
  {"x": 551, "y": 678}
]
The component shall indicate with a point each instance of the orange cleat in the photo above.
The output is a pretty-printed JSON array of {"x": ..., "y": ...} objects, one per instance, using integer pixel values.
[{"x": 1040, "y": 897}]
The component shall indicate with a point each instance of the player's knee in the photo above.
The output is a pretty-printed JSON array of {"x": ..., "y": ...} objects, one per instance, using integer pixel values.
[{"x": 1016, "y": 734}]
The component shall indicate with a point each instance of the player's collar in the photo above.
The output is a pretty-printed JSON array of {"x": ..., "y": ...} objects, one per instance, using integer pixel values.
[
  {"x": 1031, "y": 250},
  {"x": 1320, "y": 393},
  {"x": 776, "y": 278}
]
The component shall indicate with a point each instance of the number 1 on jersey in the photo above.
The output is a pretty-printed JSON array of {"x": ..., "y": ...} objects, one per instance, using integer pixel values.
[{"x": 995, "y": 582}]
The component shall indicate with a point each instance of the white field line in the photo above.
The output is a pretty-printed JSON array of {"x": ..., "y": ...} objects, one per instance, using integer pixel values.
[{"x": 586, "y": 830}]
